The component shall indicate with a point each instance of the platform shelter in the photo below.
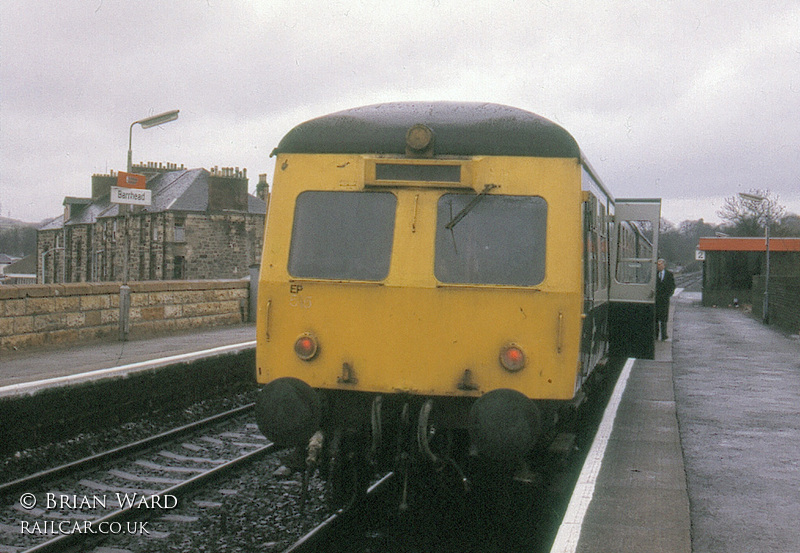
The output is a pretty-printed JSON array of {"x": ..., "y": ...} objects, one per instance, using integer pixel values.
[{"x": 734, "y": 269}]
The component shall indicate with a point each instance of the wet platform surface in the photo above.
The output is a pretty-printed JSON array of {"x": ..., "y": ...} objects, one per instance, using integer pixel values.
[
  {"x": 704, "y": 450},
  {"x": 737, "y": 389},
  {"x": 32, "y": 365}
]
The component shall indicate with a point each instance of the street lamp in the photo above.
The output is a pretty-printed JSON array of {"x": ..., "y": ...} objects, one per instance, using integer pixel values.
[
  {"x": 124, "y": 290},
  {"x": 758, "y": 199},
  {"x": 146, "y": 123}
]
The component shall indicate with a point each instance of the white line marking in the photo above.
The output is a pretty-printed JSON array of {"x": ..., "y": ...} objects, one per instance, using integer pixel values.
[
  {"x": 30, "y": 387},
  {"x": 570, "y": 530}
]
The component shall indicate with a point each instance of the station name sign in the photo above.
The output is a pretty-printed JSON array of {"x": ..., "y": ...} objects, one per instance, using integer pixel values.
[
  {"x": 131, "y": 180},
  {"x": 132, "y": 196},
  {"x": 131, "y": 189}
]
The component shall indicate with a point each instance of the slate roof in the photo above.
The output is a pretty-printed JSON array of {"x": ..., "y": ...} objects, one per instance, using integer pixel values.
[
  {"x": 52, "y": 224},
  {"x": 180, "y": 190},
  {"x": 25, "y": 266},
  {"x": 89, "y": 214}
]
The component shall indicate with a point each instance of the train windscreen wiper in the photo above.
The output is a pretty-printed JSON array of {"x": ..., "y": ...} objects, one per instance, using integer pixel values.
[{"x": 469, "y": 207}]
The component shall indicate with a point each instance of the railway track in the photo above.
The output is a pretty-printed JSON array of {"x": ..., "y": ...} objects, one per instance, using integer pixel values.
[
  {"x": 689, "y": 281},
  {"x": 69, "y": 507},
  {"x": 508, "y": 517},
  {"x": 332, "y": 531},
  {"x": 144, "y": 481},
  {"x": 494, "y": 515}
]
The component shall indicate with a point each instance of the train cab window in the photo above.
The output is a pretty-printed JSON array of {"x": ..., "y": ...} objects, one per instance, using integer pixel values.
[
  {"x": 495, "y": 240},
  {"x": 342, "y": 235}
]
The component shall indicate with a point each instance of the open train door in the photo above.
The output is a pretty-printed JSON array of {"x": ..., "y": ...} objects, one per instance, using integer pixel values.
[{"x": 633, "y": 279}]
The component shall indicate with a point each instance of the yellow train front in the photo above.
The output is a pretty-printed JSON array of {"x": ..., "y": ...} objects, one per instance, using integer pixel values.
[{"x": 423, "y": 289}]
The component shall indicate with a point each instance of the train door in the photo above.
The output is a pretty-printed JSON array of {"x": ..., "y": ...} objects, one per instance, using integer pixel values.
[{"x": 633, "y": 285}]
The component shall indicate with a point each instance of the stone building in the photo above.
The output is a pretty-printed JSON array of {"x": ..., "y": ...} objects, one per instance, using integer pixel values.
[{"x": 200, "y": 225}]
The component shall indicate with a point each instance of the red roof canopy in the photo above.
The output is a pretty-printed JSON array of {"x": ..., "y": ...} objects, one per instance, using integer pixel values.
[{"x": 731, "y": 244}]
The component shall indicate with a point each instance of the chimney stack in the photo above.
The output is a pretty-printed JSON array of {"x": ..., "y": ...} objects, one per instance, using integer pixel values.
[
  {"x": 101, "y": 184},
  {"x": 227, "y": 189},
  {"x": 262, "y": 188}
]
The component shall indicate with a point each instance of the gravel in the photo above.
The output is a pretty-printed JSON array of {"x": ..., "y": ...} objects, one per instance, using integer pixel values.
[
  {"x": 257, "y": 508},
  {"x": 30, "y": 461},
  {"x": 252, "y": 510}
]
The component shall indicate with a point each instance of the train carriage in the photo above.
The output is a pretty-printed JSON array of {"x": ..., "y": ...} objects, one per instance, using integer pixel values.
[{"x": 443, "y": 278}]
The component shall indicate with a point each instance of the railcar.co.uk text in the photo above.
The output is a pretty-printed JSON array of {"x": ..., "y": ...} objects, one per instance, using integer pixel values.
[{"x": 61, "y": 502}]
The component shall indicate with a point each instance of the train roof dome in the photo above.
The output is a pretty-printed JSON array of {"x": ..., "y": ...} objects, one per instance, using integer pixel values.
[{"x": 460, "y": 129}]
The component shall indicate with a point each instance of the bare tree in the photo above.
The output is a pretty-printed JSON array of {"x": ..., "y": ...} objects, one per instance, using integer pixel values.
[
  {"x": 790, "y": 225},
  {"x": 748, "y": 217},
  {"x": 677, "y": 244}
]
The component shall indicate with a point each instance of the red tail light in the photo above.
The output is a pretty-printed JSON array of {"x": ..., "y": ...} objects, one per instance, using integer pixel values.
[
  {"x": 512, "y": 358},
  {"x": 306, "y": 347}
]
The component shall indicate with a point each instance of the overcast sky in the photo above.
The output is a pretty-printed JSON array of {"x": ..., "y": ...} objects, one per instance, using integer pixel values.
[{"x": 691, "y": 101}]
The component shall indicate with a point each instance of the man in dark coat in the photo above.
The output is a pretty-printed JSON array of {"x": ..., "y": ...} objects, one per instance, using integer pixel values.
[{"x": 665, "y": 286}]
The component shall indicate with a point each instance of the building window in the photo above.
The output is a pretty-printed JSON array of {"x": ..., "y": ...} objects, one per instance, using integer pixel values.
[
  {"x": 179, "y": 229},
  {"x": 179, "y": 268}
]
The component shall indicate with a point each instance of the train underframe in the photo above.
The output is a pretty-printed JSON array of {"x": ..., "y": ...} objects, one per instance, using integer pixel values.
[{"x": 459, "y": 442}]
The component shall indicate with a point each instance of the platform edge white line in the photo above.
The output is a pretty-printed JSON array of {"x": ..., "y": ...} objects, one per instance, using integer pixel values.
[
  {"x": 30, "y": 387},
  {"x": 569, "y": 532}
]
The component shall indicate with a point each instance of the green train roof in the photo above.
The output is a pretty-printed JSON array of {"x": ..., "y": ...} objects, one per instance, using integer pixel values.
[{"x": 460, "y": 129}]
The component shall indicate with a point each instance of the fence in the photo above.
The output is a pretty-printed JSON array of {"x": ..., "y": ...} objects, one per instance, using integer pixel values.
[{"x": 784, "y": 301}]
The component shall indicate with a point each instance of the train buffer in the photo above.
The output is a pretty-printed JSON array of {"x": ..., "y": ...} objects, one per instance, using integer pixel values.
[{"x": 700, "y": 453}]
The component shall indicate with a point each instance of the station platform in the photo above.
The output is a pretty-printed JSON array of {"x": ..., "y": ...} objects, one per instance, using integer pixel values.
[
  {"x": 702, "y": 452},
  {"x": 19, "y": 367}
]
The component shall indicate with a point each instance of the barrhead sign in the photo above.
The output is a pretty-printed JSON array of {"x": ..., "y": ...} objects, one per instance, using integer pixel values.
[
  {"x": 131, "y": 180},
  {"x": 133, "y": 196}
]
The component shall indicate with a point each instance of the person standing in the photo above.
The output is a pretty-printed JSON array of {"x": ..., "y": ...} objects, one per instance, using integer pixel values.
[{"x": 665, "y": 286}]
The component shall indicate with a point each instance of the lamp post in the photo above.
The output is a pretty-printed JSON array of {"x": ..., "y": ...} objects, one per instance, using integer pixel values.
[
  {"x": 759, "y": 199},
  {"x": 124, "y": 209},
  {"x": 146, "y": 123}
]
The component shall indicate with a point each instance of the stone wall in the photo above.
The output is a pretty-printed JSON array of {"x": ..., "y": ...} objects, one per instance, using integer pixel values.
[
  {"x": 33, "y": 315},
  {"x": 224, "y": 244}
]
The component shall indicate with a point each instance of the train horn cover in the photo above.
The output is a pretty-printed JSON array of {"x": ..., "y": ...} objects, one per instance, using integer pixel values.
[{"x": 419, "y": 139}]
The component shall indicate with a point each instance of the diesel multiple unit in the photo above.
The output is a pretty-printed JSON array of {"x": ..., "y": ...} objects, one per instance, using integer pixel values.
[{"x": 438, "y": 282}]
